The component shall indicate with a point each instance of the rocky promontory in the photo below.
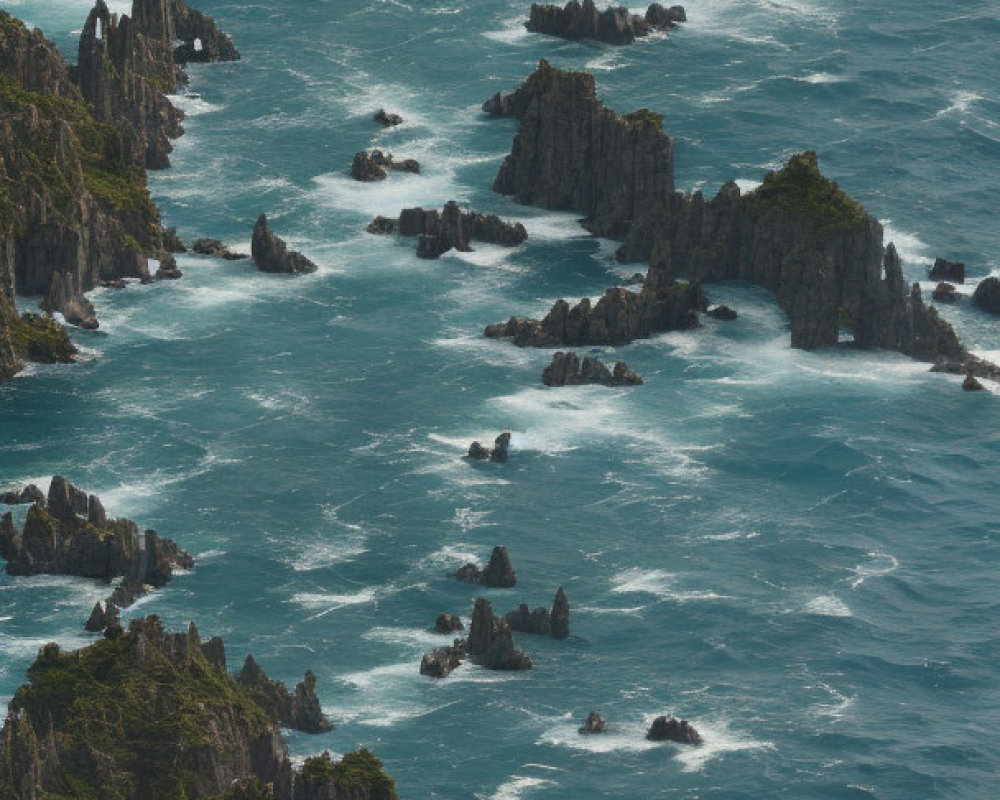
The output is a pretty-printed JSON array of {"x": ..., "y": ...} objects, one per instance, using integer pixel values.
[
  {"x": 798, "y": 234},
  {"x": 567, "y": 369},
  {"x": 153, "y": 715},
  {"x": 300, "y": 710},
  {"x": 614, "y": 25},
  {"x": 376, "y": 165},
  {"x": 271, "y": 254},
  {"x": 541, "y": 621},
  {"x": 438, "y": 232}
]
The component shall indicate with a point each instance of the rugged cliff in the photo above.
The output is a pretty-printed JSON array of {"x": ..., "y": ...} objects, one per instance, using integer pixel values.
[
  {"x": 151, "y": 715},
  {"x": 798, "y": 235}
]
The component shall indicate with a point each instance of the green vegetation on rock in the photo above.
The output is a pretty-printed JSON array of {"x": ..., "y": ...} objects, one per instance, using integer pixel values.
[
  {"x": 356, "y": 771},
  {"x": 799, "y": 189},
  {"x": 645, "y": 115},
  {"x": 41, "y": 339}
]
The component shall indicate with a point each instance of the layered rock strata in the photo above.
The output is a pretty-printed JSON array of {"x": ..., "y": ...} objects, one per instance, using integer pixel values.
[
  {"x": 567, "y": 369},
  {"x": 271, "y": 254},
  {"x": 798, "y": 234},
  {"x": 614, "y": 25},
  {"x": 437, "y": 232}
]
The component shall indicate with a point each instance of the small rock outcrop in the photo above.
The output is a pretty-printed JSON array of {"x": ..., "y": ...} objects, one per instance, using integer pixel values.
[
  {"x": 376, "y": 165},
  {"x": 670, "y": 729},
  {"x": 541, "y": 621},
  {"x": 948, "y": 271},
  {"x": 270, "y": 253},
  {"x": 215, "y": 248},
  {"x": 498, "y": 573},
  {"x": 65, "y": 297},
  {"x": 970, "y": 384},
  {"x": 168, "y": 270},
  {"x": 594, "y": 724},
  {"x": 201, "y": 41},
  {"x": 722, "y": 312},
  {"x": 437, "y": 232},
  {"x": 387, "y": 119},
  {"x": 560, "y": 615},
  {"x": 987, "y": 295},
  {"x": 442, "y": 661},
  {"x": 448, "y": 623},
  {"x": 300, "y": 711},
  {"x": 567, "y": 369},
  {"x": 619, "y": 317},
  {"x": 615, "y": 25},
  {"x": 172, "y": 242},
  {"x": 944, "y": 293},
  {"x": 499, "y": 453},
  {"x": 490, "y": 643},
  {"x": 29, "y": 494}
]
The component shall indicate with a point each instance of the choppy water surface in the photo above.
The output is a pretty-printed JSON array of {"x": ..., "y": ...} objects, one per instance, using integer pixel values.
[{"x": 797, "y": 551}]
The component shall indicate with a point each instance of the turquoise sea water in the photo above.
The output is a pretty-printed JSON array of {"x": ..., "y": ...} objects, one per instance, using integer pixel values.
[{"x": 796, "y": 551}]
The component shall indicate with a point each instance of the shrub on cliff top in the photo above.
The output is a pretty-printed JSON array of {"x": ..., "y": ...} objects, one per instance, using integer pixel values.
[
  {"x": 801, "y": 190},
  {"x": 41, "y": 339}
]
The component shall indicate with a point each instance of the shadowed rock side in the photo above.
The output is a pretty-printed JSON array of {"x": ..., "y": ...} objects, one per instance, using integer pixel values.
[
  {"x": 490, "y": 643},
  {"x": 270, "y": 253},
  {"x": 798, "y": 235},
  {"x": 593, "y": 724},
  {"x": 300, "y": 711},
  {"x": 567, "y": 369},
  {"x": 151, "y": 715},
  {"x": 501, "y": 448},
  {"x": 948, "y": 271},
  {"x": 438, "y": 232},
  {"x": 499, "y": 574},
  {"x": 615, "y": 25},
  {"x": 376, "y": 165}
]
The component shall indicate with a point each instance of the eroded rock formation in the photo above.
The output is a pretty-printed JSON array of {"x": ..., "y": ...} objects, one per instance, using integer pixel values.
[
  {"x": 567, "y": 369},
  {"x": 501, "y": 448},
  {"x": 614, "y": 25},
  {"x": 376, "y": 165},
  {"x": 987, "y": 295},
  {"x": 215, "y": 248},
  {"x": 438, "y": 232},
  {"x": 948, "y": 271},
  {"x": 593, "y": 724},
  {"x": 387, "y": 119},
  {"x": 448, "y": 623},
  {"x": 270, "y": 253},
  {"x": 442, "y": 661},
  {"x": 541, "y": 621},
  {"x": 300, "y": 710},
  {"x": 490, "y": 643},
  {"x": 670, "y": 729},
  {"x": 498, "y": 573}
]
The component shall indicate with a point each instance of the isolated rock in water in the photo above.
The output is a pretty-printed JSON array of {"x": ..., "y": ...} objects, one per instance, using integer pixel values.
[
  {"x": 213, "y": 247},
  {"x": 168, "y": 271},
  {"x": 103, "y": 615},
  {"x": 307, "y": 714},
  {"x": 387, "y": 119},
  {"x": 614, "y": 25},
  {"x": 987, "y": 295},
  {"x": 525, "y": 620},
  {"x": 271, "y": 255},
  {"x": 944, "y": 293},
  {"x": 201, "y": 40},
  {"x": 440, "y": 662},
  {"x": 671, "y": 729},
  {"x": 594, "y": 724},
  {"x": 448, "y": 623},
  {"x": 64, "y": 296},
  {"x": 723, "y": 313},
  {"x": 665, "y": 18},
  {"x": 499, "y": 573},
  {"x": 172, "y": 242},
  {"x": 566, "y": 369},
  {"x": 373, "y": 166},
  {"x": 437, "y": 232},
  {"x": 490, "y": 642},
  {"x": 970, "y": 384},
  {"x": 499, "y": 453},
  {"x": 949, "y": 271},
  {"x": 29, "y": 494},
  {"x": 560, "y": 615}
]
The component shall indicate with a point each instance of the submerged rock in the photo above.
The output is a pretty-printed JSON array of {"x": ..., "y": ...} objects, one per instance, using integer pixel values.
[
  {"x": 567, "y": 369},
  {"x": 594, "y": 724},
  {"x": 987, "y": 295},
  {"x": 970, "y": 384},
  {"x": 499, "y": 453},
  {"x": 670, "y": 729},
  {"x": 375, "y": 165},
  {"x": 270, "y": 253},
  {"x": 948, "y": 271},
  {"x": 944, "y": 293},
  {"x": 387, "y": 119}
]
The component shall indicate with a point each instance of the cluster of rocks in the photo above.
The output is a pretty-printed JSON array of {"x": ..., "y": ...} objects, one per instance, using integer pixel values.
[
  {"x": 666, "y": 728},
  {"x": 798, "y": 234},
  {"x": 615, "y": 25},
  {"x": 387, "y": 119},
  {"x": 438, "y": 232},
  {"x": 299, "y": 711},
  {"x": 69, "y": 533},
  {"x": 498, "y": 574},
  {"x": 489, "y": 644},
  {"x": 567, "y": 369},
  {"x": 375, "y": 165},
  {"x": 949, "y": 271},
  {"x": 618, "y": 317},
  {"x": 499, "y": 453},
  {"x": 214, "y": 248},
  {"x": 987, "y": 295},
  {"x": 182, "y": 727},
  {"x": 541, "y": 621},
  {"x": 270, "y": 253}
]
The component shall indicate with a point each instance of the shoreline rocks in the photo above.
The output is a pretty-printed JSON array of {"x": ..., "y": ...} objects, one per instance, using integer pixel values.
[
  {"x": 376, "y": 165},
  {"x": 615, "y": 25},
  {"x": 670, "y": 729},
  {"x": 270, "y": 253},
  {"x": 567, "y": 369},
  {"x": 499, "y": 453},
  {"x": 987, "y": 295},
  {"x": 437, "y": 232},
  {"x": 970, "y": 384},
  {"x": 499, "y": 574}
]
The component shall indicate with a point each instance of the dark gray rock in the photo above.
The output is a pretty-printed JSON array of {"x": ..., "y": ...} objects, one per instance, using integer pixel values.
[
  {"x": 567, "y": 369},
  {"x": 490, "y": 642},
  {"x": 614, "y": 25},
  {"x": 560, "y": 615},
  {"x": 300, "y": 711},
  {"x": 498, "y": 572},
  {"x": 448, "y": 623},
  {"x": 306, "y": 712},
  {"x": 987, "y": 295},
  {"x": 387, "y": 119},
  {"x": 499, "y": 453},
  {"x": 948, "y": 271},
  {"x": 29, "y": 494},
  {"x": 442, "y": 661},
  {"x": 168, "y": 271},
  {"x": 665, "y": 18},
  {"x": 723, "y": 313},
  {"x": 437, "y": 232},
  {"x": 270, "y": 253},
  {"x": 103, "y": 615},
  {"x": 65, "y": 296},
  {"x": 375, "y": 165},
  {"x": 524, "y": 620},
  {"x": 594, "y": 724},
  {"x": 172, "y": 242},
  {"x": 970, "y": 384},
  {"x": 944, "y": 293},
  {"x": 670, "y": 729},
  {"x": 213, "y": 247}
]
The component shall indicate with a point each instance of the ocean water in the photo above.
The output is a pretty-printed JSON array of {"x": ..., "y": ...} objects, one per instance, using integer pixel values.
[{"x": 796, "y": 551}]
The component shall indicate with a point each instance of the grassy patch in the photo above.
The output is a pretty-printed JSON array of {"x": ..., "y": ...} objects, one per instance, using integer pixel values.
[
  {"x": 41, "y": 339},
  {"x": 644, "y": 115},
  {"x": 799, "y": 189}
]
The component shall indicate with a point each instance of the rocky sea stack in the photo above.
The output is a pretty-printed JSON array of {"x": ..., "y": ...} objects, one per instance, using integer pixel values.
[
  {"x": 567, "y": 369},
  {"x": 376, "y": 165},
  {"x": 498, "y": 574},
  {"x": 152, "y": 715},
  {"x": 614, "y": 25},
  {"x": 271, "y": 254},
  {"x": 501, "y": 448},
  {"x": 299, "y": 710},
  {"x": 438, "y": 232},
  {"x": 541, "y": 621},
  {"x": 670, "y": 729}
]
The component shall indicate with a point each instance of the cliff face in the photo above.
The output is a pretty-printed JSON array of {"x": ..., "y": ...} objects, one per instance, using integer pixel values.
[
  {"x": 798, "y": 235},
  {"x": 152, "y": 715},
  {"x": 572, "y": 153}
]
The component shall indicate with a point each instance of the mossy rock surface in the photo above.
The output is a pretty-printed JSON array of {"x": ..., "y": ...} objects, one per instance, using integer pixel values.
[
  {"x": 800, "y": 190},
  {"x": 356, "y": 772},
  {"x": 646, "y": 116},
  {"x": 41, "y": 339}
]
